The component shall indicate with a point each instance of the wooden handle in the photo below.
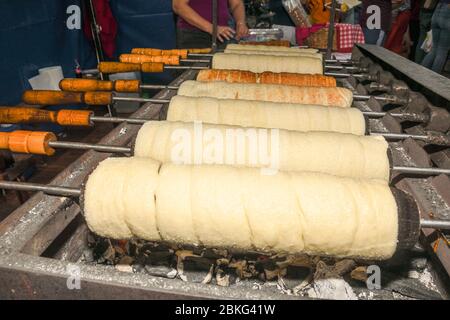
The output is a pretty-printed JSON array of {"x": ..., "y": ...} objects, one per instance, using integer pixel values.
[
  {"x": 74, "y": 117},
  {"x": 152, "y": 67},
  {"x": 83, "y": 85},
  {"x": 117, "y": 67},
  {"x": 26, "y": 115},
  {"x": 202, "y": 50},
  {"x": 141, "y": 58},
  {"x": 33, "y": 142},
  {"x": 127, "y": 85},
  {"x": 33, "y": 115},
  {"x": 98, "y": 98},
  {"x": 147, "y": 51},
  {"x": 49, "y": 97}
]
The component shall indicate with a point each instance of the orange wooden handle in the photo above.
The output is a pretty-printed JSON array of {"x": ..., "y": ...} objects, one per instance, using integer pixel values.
[
  {"x": 74, "y": 117},
  {"x": 147, "y": 51},
  {"x": 200, "y": 50},
  {"x": 26, "y": 115},
  {"x": 49, "y": 97},
  {"x": 34, "y": 115},
  {"x": 34, "y": 142},
  {"x": 82, "y": 85},
  {"x": 152, "y": 67},
  {"x": 127, "y": 85},
  {"x": 98, "y": 98},
  {"x": 117, "y": 67}
]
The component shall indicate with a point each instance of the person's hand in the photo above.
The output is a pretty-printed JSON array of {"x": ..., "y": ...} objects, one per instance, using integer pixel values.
[
  {"x": 224, "y": 33},
  {"x": 406, "y": 43},
  {"x": 241, "y": 30}
]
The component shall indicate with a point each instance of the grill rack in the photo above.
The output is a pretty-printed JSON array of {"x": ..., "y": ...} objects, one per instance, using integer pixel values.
[{"x": 32, "y": 228}]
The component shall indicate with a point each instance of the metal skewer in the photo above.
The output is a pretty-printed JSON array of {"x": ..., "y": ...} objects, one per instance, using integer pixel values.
[{"x": 76, "y": 192}]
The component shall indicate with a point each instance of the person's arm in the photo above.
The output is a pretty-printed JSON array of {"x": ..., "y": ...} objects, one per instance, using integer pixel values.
[
  {"x": 238, "y": 11},
  {"x": 184, "y": 10}
]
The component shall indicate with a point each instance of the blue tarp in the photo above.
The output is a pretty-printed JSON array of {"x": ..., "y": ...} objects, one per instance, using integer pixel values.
[{"x": 33, "y": 35}]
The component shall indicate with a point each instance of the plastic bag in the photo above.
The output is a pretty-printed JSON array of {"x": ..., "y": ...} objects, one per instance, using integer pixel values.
[
  {"x": 297, "y": 13},
  {"x": 427, "y": 44}
]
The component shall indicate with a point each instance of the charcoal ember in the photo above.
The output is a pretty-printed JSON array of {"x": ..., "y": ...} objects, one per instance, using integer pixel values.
[
  {"x": 222, "y": 279},
  {"x": 214, "y": 253},
  {"x": 138, "y": 267},
  {"x": 220, "y": 252},
  {"x": 124, "y": 268},
  {"x": 222, "y": 262},
  {"x": 338, "y": 269},
  {"x": 336, "y": 289},
  {"x": 407, "y": 287},
  {"x": 104, "y": 252},
  {"x": 126, "y": 260},
  {"x": 417, "y": 153},
  {"x": 161, "y": 271},
  {"x": 119, "y": 251},
  {"x": 419, "y": 264},
  {"x": 295, "y": 272},
  {"x": 264, "y": 263},
  {"x": 297, "y": 261},
  {"x": 243, "y": 269},
  {"x": 197, "y": 263},
  {"x": 134, "y": 247},
  {"x": 359, "y": 273},
  {"x": 88, "y": 255},
  {"x": 160, "y": 258},
  {"x": 391, "y": 124},
  {"x": 91, "y": 240},
  {"x": 275, "y": 273}
]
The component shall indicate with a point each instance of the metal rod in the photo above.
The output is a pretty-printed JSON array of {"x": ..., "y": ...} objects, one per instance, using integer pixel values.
[
  {"x": 400, "y": 136},
  {"x": 195, "y": 60},
  {"x": 407, "y": 116},
  {"x": 435, "y": 224},
  {"x": 88, "y": 146},
  {"x": 386, "y": 98},
  {"x": 95, "y": 31},
  {"x": 331, "y": 29},
  {"x": 421, "y": 171},
  {"x": 118, "y": 119},
  {"x": 156, "y": 86},
  {"x": 215, "y": 17},
  {"x": 355, "y": 75},
  {"x": 335, "y": 67},
  {"x": 52, "y": 190},
  {"x": 137, "y": 99},
  {"x": 185, "y": 67}
]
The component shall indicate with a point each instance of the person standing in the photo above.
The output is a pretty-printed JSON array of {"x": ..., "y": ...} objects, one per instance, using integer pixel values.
[
  {"x": 425, "y": 14},
  {"x": 194, "y": 25},
  {"x": 440, "y": 27}
]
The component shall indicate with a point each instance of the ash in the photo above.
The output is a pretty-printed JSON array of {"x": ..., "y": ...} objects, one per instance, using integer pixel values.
[{"x": 405, "y": 277}]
